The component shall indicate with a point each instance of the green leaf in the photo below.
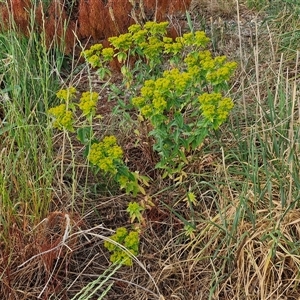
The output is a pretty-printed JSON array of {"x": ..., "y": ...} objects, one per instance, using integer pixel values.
[
  {"x": 86, "y": 150},
  {"x": 102, "y": 72},
  {"x": 199, "y": 138},
  {"x": 182, "y": 156},
  {"x": 135, "y": 211},
  {"x": 84, "y": 134},
  {"x": 179, "y": 119},
  {"x": 121, "y": 57},
  {"x": 6, "y": 128},
  {"x": 189, "y": 20}
]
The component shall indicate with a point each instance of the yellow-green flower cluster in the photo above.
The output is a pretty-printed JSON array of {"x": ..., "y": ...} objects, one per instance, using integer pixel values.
[
  {"x": 156, "y": 29},
  {"x": 63, "y": 118},
  {"x": 143, "y": 102},
  {"x": 207, "y": 62},
  {"x": 152, "y": 49},
  {"x": 173, "y": 48},
  {"x": 106, "y": 155},
  {"x": 157, "y": 95},
  {"x": 145, "y": 41},
  {"x": 152, "y": 100},
  {"x": 93, "y": 54},
  {"x": 122, "y": 42},
  {"x": 66, "y": 94},
  {"x": 164, "y": 84},
  {"x": 97, "y": 55},
  {"x": 134, "y": 28},
  {"x": 159, "y": 104},
  {"x": 130, "y": 240},
  {"x": 148, "y": 89},
  {"x": 123, "y": 181},
  {"x": 95, "y": 49},
  {"x": 107, "y": 54},
  {"x": 138, "y": 101},
  {"x": 201, "y": 61},
  {"x": 213, "y": 70},
  {"x": 198, "y": 39},
  {"x": 148, "y": 41},
  {"x": 221, "y": 74},
  {"x": 167, "y": 40},
  {"x": 147, "y": 111},
  {"x": 139, "y": 36},
  {"x": 148, "y": 38},
  {"x": 87, "y": 103},
  {"x": 215, "y": 108},
  {"x": 179, "y": 81}
]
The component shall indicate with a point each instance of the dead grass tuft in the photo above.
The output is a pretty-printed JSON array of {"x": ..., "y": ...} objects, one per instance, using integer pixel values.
[
  {"x": 214, "y": 8},
  {"x": 88, "y": 18},
  {"x": 37, "y": 266}
]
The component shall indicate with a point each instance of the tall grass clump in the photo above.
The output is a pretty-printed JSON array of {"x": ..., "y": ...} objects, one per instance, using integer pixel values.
[
  {"x": 29, "y": 76},
  {"x": 248, "y": 233},
  {"x": 261, "y": 219}
]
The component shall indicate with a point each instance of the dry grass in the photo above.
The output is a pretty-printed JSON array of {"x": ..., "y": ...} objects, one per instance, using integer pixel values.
[
  {"x": 215, "y": 8},
  {"x": 85, "y": 19},
  {"x": 246, "y": 239}
]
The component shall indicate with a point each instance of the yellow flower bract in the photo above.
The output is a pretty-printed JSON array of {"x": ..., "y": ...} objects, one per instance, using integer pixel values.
[
  {"x": 66, "y": 94},
  {"x": 106, "y": 154},
  {"x": 215, "y": 108},
  {"x": 130, "y": 240},
  {"x": 63, "y": 118},
  {"x": 88, "y": 102}
]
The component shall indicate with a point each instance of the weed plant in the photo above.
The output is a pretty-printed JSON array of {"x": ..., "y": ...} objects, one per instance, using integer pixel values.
[{"x": 171, "y": 100}]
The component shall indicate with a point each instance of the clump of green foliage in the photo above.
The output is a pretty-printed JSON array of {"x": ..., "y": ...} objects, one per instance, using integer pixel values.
[
  {"x": 175, "y": 84},
  {"x": 129, "y": 240},
  {"x": 105, "y": 155}
]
